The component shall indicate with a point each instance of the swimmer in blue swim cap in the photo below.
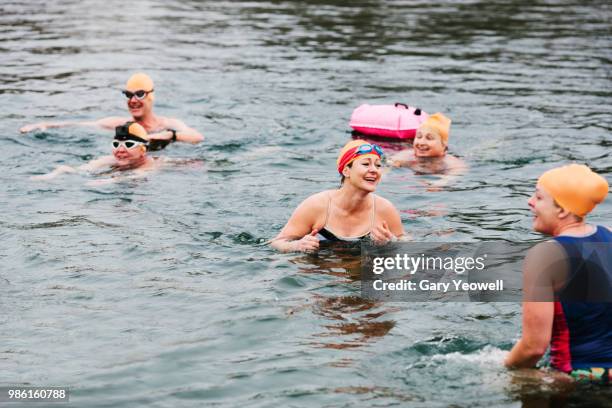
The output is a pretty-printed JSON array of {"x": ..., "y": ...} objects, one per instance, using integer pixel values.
[{"x": 139, "y": 91}]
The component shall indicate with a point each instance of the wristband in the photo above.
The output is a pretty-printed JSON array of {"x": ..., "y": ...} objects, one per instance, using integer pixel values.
[{"x": 173, "y": 134}]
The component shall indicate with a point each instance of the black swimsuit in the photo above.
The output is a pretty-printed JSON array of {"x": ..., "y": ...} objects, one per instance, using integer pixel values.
[{"x": 326, "y": 234}]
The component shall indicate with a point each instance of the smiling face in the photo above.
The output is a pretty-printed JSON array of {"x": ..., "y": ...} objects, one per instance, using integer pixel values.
[
  {"x": 125, "y": 156},
  {"x": 427, "y": 143},
  {"x": 545, "y": 211},
  {"x": 364, "y": 173},
  {"x": 140, "y": 108}
]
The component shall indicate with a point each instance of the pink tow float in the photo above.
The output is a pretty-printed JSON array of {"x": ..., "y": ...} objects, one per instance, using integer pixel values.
[{"x": 398, "y": 121}]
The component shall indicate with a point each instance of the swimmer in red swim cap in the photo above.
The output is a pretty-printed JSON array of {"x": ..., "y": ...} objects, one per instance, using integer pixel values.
[{"x": 351, "y": 213}]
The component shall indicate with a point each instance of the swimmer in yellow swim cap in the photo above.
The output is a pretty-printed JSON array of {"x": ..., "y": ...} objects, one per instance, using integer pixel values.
[
  {"x": 351, "y": 213},
  {"x": 567, "y": 280},
  {"x": 429, "y": 153},
  {"x": 129, "y": 152},
  {"x": 140, "y": 93}
]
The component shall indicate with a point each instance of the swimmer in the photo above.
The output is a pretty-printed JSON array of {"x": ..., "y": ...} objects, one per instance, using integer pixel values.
[
  {"x": 129, "y": 153},
  {"x": 139, "y": 92},
  {"x": 351, "y": 213},
  {"x": 429, "y": 154},
  {"x": 570, "y": 309}
]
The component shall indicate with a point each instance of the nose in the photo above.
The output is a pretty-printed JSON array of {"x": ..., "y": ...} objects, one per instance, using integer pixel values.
[{"x": 531, "y": 201}]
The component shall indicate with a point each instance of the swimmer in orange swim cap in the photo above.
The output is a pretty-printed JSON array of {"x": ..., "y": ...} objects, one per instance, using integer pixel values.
[
  {"x": 430, "y": 146},
  {"x": 139, "y": 91},
  {"x": 129, "y": 152},
  {"x": 567, "y": 281},
  {"x": 349, "y": 214}
]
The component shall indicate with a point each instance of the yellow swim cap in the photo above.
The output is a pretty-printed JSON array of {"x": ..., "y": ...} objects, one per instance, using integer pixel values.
[
  {"x": 350, "y": 152},
  {"x": 439, "y": 123},
  {"x": 139, "y": 81},
  {"x": 575, "y": 187}
]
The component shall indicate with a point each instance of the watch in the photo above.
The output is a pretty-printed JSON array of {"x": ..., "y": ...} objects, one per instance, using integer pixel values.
[{"x": 173, "y": 134}]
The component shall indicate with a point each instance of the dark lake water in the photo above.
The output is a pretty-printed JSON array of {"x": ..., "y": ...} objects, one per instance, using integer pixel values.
[{"x": 160, "y": 292}]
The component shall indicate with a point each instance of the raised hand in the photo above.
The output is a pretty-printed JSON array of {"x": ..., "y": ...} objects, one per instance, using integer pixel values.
[{"x": 381, "y": 234}]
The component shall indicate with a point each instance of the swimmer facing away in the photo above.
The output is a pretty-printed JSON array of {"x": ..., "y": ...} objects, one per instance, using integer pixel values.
[
  {"x": 429, "y": 154},
  {"x": 351, "y": 213},
  {"x": 129, "y": 153},
  {"x": 139, "y": 91},
  {"x": 567, "y": 281}
]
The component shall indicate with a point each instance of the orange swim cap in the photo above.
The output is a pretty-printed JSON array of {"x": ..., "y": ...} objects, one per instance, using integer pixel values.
[
  {"x": 575, "y": 187},
  {"x": 348, "y": 153},
  {"x": 439, "y": 123},
  {"x": 140, "y": 82}
]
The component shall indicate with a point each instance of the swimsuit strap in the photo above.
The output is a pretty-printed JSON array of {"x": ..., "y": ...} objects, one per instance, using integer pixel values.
[
  {"x": 328, "y": 209},
  {"x": 373, "y": 215}
]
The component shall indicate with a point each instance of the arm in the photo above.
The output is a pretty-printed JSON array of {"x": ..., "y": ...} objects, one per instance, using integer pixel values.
[
  {"x": 106, "y": 123},
  {"x": 58, "y": 171},
  {"x": 95, "y": 164},
  {"x": 299, "y": 234},
  {"x": 537, "y": 329},
  {"x": 63, "y": 169},
  {"x": 538, "y": 310},
  {"x": 183, "y": 132}
]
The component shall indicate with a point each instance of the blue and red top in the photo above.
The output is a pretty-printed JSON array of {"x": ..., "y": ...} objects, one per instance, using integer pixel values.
[{"x": 582, "y": 326}]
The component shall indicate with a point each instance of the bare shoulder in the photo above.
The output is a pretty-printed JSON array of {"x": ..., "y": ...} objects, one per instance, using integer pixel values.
[
  {"x": 385, "y": 206},
  {"x": 317, "y": 201}
]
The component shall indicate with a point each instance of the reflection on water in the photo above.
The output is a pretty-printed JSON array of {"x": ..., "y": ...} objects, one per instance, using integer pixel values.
[
  {"x": 167, "y": 278},
  {"x": 349, "y": 321}
]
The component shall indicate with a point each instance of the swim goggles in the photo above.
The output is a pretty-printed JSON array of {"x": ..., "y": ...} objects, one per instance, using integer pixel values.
[
  {"x": 140, "y": 94},
  {"x": 355, "y": 152},
  {"x": 128, "y": 144},
  {"x": 368, "y": 148}
]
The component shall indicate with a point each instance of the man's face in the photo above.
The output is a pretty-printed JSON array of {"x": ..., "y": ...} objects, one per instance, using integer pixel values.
[{"x": 139, "y": 103}]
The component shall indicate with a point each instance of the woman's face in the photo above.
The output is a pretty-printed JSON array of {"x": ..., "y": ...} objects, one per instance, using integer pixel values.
[
  {"x": 545, "y": 212},
  {"x": 126, "y": 156},
  {"x": 428, "y": 144},
  {"x": 365, "y": 173}
]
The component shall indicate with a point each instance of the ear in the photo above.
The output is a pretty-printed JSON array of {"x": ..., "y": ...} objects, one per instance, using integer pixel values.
[
  {"x": 562, "y": 213},
  {"x": 346, "y": 171}
]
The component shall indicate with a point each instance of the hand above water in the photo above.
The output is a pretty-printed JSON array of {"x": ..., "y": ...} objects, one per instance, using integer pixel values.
[
  {"x": 308, "y": 243},
  {"x": 381, "y": 234}
]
